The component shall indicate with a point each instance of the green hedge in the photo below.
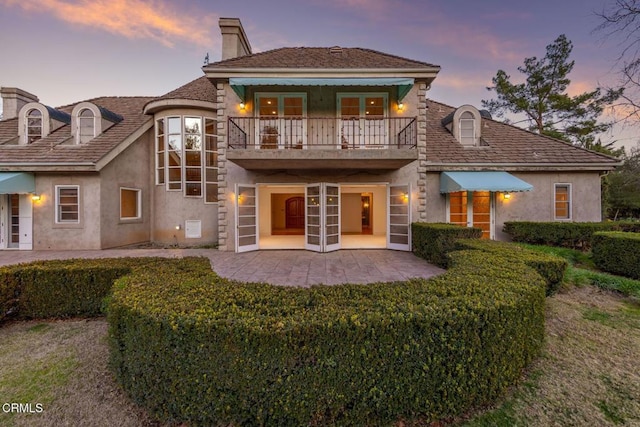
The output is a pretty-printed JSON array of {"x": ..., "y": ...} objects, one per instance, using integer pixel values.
[
  {"x": 64, "y": 288},
  {"x": 551, "y": 268},
  {"x": 576, "y": 235},
  {"x": 432, "y": 241},
  {"x": 193, "y": 347},
  {"x": 618, "y": 253}
]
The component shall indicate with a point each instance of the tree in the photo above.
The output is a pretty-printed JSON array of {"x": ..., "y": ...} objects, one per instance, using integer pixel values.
[
  {"x": 623, "y": 198},
  {"x": 621, "y": 20},
  {"x": 542, "y": 98}
]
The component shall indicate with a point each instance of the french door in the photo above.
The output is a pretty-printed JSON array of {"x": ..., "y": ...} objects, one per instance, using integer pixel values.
[
  {"x": 322, "y": 209},
  {"x": 399, "y": 217},
  {"x": 246, "y": 218},
  {"x": 473, "y": 209}
]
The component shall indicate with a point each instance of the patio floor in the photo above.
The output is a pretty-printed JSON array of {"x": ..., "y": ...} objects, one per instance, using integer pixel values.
[{"x": 278, "y": 267}]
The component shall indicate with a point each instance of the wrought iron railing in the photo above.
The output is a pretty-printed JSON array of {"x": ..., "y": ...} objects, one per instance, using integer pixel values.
[{"x": 322, "y": 133}]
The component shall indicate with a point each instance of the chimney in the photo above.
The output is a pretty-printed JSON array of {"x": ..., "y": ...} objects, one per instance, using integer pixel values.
[
  {"x": 13, "y": 99},
  {"x": 234, "y": 40}
]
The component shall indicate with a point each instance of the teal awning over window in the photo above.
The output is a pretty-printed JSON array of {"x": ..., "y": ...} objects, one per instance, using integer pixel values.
[
  {"x": 238, "y": 84},
  {"x": 482, "y": 181},
  {"x": 17, "y": 183}
]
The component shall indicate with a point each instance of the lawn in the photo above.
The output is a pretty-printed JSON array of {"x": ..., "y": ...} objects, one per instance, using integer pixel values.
[{"x": 587, "y": 374}]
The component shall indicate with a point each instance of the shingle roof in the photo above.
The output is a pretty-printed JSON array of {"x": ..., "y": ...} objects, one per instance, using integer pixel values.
[
  {"x": 200, "y": 89},
  {"x": 505, "y": 144},
  {"x": 320, "y": 58},
  {"x": 51, "y": 150}
]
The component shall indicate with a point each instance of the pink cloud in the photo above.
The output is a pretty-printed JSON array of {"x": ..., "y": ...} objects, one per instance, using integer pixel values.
[{"x": 134, "y": 19}]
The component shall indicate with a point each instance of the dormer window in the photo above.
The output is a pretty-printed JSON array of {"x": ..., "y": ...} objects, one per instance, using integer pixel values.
[
  {"x": 86, "y": 126},
  {"x": 464, "y": 123},
  {"x": 467, "y": 129},
  {"x": 34, "y": 125},
  {"x": 89, "y": 120},
  {"x": 37, "y": 121}
]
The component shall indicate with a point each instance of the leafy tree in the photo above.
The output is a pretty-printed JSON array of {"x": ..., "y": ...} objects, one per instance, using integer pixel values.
[
  {"x": 623, "y": 185},
  {"x": 621, "y": 21},
  {"x": 542, "y": 98}
]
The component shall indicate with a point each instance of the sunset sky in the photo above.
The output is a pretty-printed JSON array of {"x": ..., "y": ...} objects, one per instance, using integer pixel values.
[{"x": 65, "y": 51}]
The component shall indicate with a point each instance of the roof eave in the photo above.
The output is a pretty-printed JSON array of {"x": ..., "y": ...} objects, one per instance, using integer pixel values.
[
  {"x": 416, "y": 73},
  {"x": 155, "y": 106},
  {"x": 48, "y": 167},
  {"x": 524, "y": 167}
]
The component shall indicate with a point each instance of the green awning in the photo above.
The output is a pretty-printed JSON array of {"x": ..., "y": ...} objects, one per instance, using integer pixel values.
[
  {"x": 238, "y": 84},
  {"x": 17, "y": 183},
  {"x": 482, "y": 181}
]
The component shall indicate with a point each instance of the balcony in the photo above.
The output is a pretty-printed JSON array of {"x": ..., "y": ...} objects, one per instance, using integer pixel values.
[{"x": 322, "y": 143}]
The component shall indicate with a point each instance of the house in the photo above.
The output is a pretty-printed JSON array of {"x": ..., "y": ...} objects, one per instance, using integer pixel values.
[{"x": 296, "y": 148}]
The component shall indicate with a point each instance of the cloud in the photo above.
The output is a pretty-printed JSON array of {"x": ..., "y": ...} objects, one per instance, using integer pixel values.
[{"x": 134, "y": 19}]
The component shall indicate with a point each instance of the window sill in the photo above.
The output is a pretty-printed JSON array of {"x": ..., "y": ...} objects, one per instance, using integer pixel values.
[
  {"x": 130, "y": 221},
  {"x": 64, "y": 225}
]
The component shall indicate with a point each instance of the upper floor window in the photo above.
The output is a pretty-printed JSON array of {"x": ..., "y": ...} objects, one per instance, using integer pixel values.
[
  {"x": 187, "y": 156},
  {"x": 467, "y": 128},
  {"x": 464, "y": 123},
  {"x": 86, "y": 126},
  {"x": 562, "y": 201},
  {"x": 34, "y": 125}
]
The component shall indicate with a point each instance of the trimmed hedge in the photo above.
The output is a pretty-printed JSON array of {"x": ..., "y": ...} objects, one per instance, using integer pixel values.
[
  {"x": 551, "y": 268},
  {"x": 193, "y": 347},
  {"x": 575, "y": 235},
  {"x": 618, "y": 253},
  {"x": 432, "y": 241},
  {"x": 62, "y": 288}
]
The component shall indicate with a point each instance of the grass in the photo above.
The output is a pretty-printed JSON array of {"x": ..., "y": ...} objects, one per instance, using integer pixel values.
[
  {"x": 587, "y": 374},
  {"x": 62, "y": 365},
  {"x": 582, "y": 272}
]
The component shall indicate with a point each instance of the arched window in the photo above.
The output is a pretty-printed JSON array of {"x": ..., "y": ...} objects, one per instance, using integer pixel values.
[
  {"x": 467, "y": 128},
  {"x": 86, "y": 126},
  {"x": 34, "y": 125}
]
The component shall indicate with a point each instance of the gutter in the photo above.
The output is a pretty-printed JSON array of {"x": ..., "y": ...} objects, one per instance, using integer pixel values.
[{"x": 522, "y": 166}]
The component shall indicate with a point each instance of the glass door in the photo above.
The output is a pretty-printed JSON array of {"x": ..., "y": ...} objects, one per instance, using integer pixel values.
[
  {"x": 399, "y": 217},
  {"x": 281, "y": 120},
  {"x": 246, "y": 218},
  {"x": 331, "y": 217},
  {"x": 313, "y": 229},
  {"x": 482, "y": 209},
  {"x": 362, "y": 121},
  {"x": 322, "y": 209}
]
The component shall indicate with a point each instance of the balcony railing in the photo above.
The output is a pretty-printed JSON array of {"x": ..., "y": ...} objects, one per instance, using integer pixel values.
[{"x": 322, "y": 133}]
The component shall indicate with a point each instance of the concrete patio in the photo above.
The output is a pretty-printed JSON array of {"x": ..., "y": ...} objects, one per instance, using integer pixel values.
[{"x": 288, "y": 268}]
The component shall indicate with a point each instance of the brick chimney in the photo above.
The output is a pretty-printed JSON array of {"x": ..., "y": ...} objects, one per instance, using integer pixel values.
[
  {"x": 13, "y": 99},
  {"x": 234, "y": 40}
]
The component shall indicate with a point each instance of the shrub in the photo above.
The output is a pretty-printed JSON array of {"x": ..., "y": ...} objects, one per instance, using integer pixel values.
[
  {"x": 551, "y": 268},
  {"x": 64, "y": 288},
  {"x": 618, "y": 253},
  {"x": 576, "y": 235},
  {"x": 432, "y": 241},
  {"x": 193, "y": 347}
]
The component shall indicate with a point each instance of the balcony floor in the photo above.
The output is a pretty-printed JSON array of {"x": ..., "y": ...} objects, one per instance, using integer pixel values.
[{"x": 391, "y": 158}]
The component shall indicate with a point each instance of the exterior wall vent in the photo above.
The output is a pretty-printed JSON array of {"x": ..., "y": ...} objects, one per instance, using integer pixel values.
[{"x": 193, "y": 229}]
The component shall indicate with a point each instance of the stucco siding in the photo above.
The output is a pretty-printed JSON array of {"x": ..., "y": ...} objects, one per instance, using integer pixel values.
[
  {"x": 131, "y": 169},
  {"x": 47, "y": 234},
  {"x": 535, "y": 205}
]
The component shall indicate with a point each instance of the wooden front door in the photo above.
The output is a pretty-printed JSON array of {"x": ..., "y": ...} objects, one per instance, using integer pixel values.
[{"x": 294, "y": 211}]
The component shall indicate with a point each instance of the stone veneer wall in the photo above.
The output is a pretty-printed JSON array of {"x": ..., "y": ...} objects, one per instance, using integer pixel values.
[
  {"x": 223, "y": 209},
  {"x": 422, "y": 151}
]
